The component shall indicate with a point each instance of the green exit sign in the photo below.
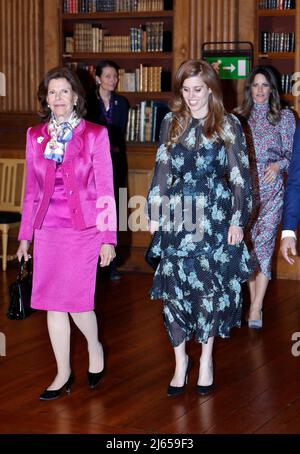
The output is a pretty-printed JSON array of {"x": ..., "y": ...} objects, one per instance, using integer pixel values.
[{"x": 230, "y": 67}]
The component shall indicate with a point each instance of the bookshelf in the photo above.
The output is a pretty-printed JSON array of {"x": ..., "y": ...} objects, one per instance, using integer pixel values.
[
  {"x": 130, "y": 38},
  {"x": 135, "y": 40},
  {"x": 277, "y": 42}
]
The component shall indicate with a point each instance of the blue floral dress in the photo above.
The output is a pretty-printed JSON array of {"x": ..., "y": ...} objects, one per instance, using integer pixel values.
[
  {"x": 271, "y": 144},
  {"x": 198, "y": 190}
]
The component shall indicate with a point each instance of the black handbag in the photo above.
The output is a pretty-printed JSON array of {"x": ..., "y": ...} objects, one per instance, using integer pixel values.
[{"x": 20, "y": 293}]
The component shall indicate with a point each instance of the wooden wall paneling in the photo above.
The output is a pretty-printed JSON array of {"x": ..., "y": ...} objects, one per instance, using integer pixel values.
[
  {"x": 17, "y": 153},
  {"x": 211, "y": 20},
  {"x": 3, "y": 52},
  {"x": 233, "y": 23},
  {"x": 2, "y": 55},
  {"x": 21, "y": 43},
  {"x": 132, "y": 245},
  {"x": 246, "y": 18},
  {"x": 51, "y": 34},
  {"x": 36, "y": 51},
  {"x": 220, "y": 19},
  {"x": 192, "y": 28},
  {"x": 181, "y": 36},
  {"x": 203, "y": 32},
  {"x": 13, "y": 128},
  {"x": 22, "y": 62},
  {"x": 21, "y": 52},
  {"x": 213, "y": 14},
  {"x": 214, "y": 20}
]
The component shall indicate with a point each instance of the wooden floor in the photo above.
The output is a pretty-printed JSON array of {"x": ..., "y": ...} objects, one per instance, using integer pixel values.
[{"x": 257, "y": 377}]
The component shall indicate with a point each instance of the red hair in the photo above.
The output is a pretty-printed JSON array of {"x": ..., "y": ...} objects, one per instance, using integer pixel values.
[{"x": 181, "y": 112}]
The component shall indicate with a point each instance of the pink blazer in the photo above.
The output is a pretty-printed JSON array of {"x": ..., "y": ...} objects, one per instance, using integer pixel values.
[{"x": 87, "y": 175}]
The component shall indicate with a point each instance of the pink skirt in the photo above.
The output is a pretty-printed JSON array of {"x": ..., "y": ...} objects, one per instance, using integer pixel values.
[{"x": 65, "y": 268}]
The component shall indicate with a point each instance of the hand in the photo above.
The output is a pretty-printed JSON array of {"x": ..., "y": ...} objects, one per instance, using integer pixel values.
[
  {"x": 107, "y": 254},
  {"x": 271, "y": 172},
  {"x": 288, "y": 243},
  {"x": 153, "y": 226},
  {"x": 235, "y": 235},
  {"x": 23, "y": 250}
]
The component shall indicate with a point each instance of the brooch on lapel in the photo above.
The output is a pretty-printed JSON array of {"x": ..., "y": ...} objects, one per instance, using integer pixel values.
[{"x": 40, "y": 139}]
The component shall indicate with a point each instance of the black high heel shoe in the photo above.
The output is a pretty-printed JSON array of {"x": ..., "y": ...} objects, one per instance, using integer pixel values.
[
  {"x": 55, "y": 393},
  {"x": 204, "y": 390},
  {"x": 94, "y": 378},
  {"x": 173, "y": 391}
]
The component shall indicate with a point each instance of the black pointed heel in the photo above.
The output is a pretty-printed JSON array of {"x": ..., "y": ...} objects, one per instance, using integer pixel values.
[
  {"x": 55, "y": 393},
  {"x": 94, "y": 378},
  {"x": 173, "y": 391},
  {"x": 204, "y": 390}
]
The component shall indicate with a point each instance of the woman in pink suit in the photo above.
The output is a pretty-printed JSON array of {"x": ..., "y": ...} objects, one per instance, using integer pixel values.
[{"x": 69, "y": 209}]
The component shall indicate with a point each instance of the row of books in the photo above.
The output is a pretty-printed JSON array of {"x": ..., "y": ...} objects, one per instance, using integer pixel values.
[
  {"x": 145, "y": 38},
  {"x": 139, "y": 5},
  {"x": 286, "y": 83},
  {"x": 277, "y": 42},
  {"x": 97, "y": 6},
  {"x": 143, "y": 79},
  {"x": 94, "y": 41},
  {"x": 276, "y": 4},
  {"x": 144, "y": 121}
]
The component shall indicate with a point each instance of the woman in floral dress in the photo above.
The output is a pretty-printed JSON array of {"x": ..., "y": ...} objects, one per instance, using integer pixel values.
[
  {"x": 272, "y": 132},
  {"x": 198, "y": 203}
]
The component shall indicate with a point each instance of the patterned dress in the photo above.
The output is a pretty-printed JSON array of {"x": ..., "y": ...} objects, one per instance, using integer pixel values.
[
  {"x": 201, "y": 189},
  {"x": 271, "y": 144}
]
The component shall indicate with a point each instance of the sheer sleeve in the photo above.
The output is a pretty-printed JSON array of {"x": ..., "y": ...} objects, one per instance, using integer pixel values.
[
  {"x": 287, "y": 130},
  {"x": 239, "y": 173},
  {"x": 162, "y": 176}
]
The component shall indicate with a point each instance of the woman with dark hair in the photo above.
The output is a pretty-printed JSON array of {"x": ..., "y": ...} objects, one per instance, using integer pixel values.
[
  {"x": 198, "y": 203},
  {"x": 69, "y": 209},
  {"x": 272, "y": 130},
  {"x": 108, "y": 108}
]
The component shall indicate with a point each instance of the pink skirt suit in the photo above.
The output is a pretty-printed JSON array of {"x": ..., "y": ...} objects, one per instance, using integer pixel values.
[{"x": 69, "y": 210}]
